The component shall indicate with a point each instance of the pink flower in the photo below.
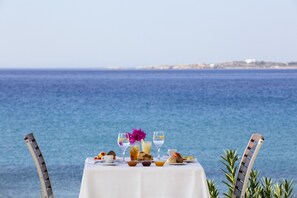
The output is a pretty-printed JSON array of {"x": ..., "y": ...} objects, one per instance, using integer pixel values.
[{"x": 137, "y": 135}]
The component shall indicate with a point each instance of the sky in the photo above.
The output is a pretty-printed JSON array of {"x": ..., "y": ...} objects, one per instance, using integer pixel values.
[{"x": 136, "y": 33}]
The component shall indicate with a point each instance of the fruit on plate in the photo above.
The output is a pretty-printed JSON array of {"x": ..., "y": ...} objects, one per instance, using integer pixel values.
[
  {"x": 100, "y": 155},
  {"x": 112, "y": 153},
  {"x": 188, "y": 158},
  {"x": 175, "y": 158}
]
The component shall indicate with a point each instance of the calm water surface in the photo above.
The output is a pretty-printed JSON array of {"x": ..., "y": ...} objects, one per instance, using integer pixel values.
[{"x": 75, "y": 114}]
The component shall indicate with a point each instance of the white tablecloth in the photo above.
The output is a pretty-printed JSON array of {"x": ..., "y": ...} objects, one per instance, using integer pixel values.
[{"x": 121, "y": 181}]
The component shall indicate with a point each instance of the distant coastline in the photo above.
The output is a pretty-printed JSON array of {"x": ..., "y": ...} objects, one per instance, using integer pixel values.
[
  {"x": 248, "y": 64},
  {"x": 244, "y": 64}
]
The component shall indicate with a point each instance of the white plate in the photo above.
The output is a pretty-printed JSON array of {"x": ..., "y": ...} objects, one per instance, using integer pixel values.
[
  {"x": 190, "y": 161},
  {"x": 108, "y": 164},
  {"x": 184, "y": 163},
  {"x": 102, "y": 161}
]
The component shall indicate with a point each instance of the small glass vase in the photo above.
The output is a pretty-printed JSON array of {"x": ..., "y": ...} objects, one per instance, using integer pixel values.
[{"x": 134, "y": 150}]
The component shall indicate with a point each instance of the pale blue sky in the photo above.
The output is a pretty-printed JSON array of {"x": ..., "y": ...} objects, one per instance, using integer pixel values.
[{"x": 130, "y": 33}]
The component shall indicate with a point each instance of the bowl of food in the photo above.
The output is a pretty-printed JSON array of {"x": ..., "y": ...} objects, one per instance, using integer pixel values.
[
  {"x": 159, "y": 163},
  {"x": 146, "y": 163},
  {"x": 132, "y": 163}
]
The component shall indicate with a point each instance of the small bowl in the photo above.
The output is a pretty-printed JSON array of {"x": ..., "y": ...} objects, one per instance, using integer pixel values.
[
  {"x": 146, "y": 163},
  {"x": 159, "y": 163},
  {"x": 132, "y": 163}
]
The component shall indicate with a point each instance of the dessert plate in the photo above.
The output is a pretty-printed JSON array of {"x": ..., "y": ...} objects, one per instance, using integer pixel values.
[
  {"x": 93, "y": 161},
  {"x": 108, "y": 164},
  {"x": 191, "y": 161},
  {"x": 184, "y": 163}
]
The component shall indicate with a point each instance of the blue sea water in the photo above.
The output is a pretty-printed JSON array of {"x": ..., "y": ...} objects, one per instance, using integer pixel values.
[{"x": 76, "y": 114}]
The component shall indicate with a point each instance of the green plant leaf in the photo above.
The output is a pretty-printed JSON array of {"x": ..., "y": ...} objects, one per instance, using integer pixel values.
[
  {"x": 213, "y": 190},
  {"x": 229, "y": 159}
]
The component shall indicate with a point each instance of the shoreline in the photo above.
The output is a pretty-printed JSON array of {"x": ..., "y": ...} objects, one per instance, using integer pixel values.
[{"x": 145, "y": 69}]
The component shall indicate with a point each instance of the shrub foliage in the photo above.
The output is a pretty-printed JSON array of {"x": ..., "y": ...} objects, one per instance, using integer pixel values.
[{"x": 257, "y": 188}]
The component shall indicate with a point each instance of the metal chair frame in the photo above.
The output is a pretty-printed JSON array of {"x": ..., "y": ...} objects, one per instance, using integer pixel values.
[
  {"x": 40, "y": 165},
  {"x": 246, "y": 165}
]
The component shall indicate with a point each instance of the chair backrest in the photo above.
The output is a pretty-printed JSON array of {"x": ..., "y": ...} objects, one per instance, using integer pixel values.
[
  {"x": 40, "y": 165},
  {"x": 246, "y": 165}
]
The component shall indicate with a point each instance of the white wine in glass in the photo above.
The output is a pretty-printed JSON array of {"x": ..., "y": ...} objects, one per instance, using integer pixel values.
[
  {"x": 123, "y": 142},
  {"x": 158, "y": 140}
]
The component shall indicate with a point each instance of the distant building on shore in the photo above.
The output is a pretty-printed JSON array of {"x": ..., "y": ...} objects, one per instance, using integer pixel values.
[{"x": 250, "y": 61}]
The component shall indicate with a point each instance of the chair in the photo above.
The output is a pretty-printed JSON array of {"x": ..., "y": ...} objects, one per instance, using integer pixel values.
[
  {"x": 40, "y": 165},
  {"x": 246, "y": 165}
]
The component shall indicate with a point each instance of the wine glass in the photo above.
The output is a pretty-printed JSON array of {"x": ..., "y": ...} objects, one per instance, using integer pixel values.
[
  {"x": 158, "y": 140},
  {"x": 123, "y": 142}
]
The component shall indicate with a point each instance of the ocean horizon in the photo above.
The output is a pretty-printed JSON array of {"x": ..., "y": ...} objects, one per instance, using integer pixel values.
[{"x": 76, "y": 114}]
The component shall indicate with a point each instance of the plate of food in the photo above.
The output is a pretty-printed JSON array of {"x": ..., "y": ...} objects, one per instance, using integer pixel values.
[
  {"x": 100, "y": 156},
  {"x": 98, "y": 161},
  {"x": 144, "y": 157},
  {"x": 176, "y": 159},
  {"x": 189, "y": 159}
]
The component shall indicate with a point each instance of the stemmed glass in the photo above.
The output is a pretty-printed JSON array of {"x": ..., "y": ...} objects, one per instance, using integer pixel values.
[
  {"x": 123, "y": 142},
  {"x": 158, "y": 140}
]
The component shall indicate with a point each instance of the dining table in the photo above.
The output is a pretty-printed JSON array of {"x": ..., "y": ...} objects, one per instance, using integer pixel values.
[{"x": 120, "y": 180}]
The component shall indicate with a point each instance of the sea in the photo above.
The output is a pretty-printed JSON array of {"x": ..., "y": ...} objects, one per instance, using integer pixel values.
[{"x": 75, "y": 114}]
